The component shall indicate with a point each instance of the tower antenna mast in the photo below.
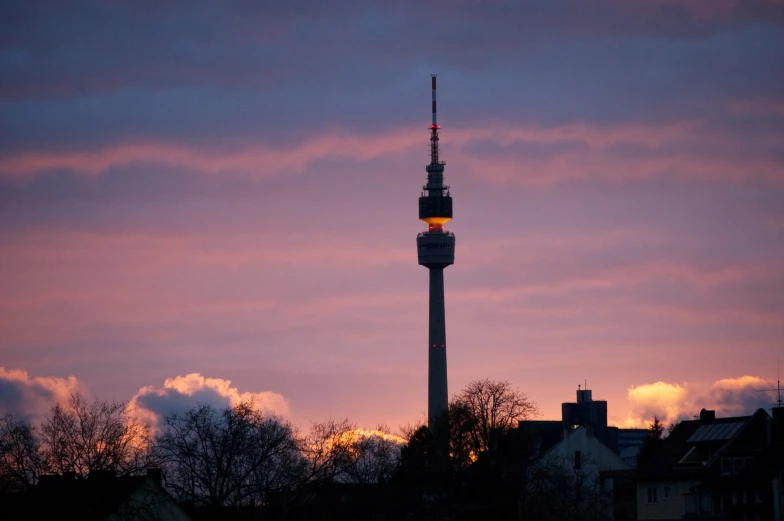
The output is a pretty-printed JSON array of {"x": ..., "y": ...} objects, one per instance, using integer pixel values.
[{"x": 434, "y": 126}]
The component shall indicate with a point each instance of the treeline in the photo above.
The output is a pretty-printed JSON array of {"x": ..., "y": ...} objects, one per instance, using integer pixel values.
[
  {"x": 233, "y": 457},
  {"x": 239, "y": 459}
]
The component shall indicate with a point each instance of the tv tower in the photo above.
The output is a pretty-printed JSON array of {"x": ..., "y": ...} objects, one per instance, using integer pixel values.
[{"x": 436, "y": 249}]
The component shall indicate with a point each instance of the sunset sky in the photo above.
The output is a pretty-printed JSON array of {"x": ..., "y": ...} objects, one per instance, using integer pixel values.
[{"x": 212, "y": 201}]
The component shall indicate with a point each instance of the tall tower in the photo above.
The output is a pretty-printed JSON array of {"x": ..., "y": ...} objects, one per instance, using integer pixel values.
[{"x": 436, "y": 249}]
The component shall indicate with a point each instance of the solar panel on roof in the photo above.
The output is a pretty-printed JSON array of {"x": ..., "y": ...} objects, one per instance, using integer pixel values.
[{"x": 715, "y": 432}]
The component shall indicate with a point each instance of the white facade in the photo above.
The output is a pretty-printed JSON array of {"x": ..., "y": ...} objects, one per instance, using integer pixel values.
[
  {"x": 571, "y": 472},
  {"x": 663, "y": 499},
  {"x": 149, "y": 502},
  {"x": 594, "y": 456}
]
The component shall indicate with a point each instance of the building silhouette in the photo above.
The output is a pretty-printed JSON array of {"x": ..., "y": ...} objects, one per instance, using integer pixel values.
[
  {"x": 590, "y": 415},
  {"x": 101, "y": 496},
  {"x": 715, "y": 468}
]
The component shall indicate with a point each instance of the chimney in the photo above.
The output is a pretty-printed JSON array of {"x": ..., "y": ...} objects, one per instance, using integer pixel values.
[
  {"x": 155, "y": 475},
  {"x": 706, "y": 415},
  {"x": 102, "y": 475},
  {"x": 778, "y": 426}
]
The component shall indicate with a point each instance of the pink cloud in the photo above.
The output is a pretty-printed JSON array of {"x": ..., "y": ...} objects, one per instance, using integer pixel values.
[
  {"x": 258, "y": 161},
  {"x": 596, "y": 162}
]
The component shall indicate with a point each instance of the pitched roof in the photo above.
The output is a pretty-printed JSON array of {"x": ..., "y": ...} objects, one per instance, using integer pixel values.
[
  {"x": 583, "y": 439},
  {"x": 64, "y": 498},
  {"x": 716, "y": 431},
  {"x": 694, "y": 445}
]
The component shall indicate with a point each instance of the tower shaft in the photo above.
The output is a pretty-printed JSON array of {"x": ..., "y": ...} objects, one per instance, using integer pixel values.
[{"x": 437, "y": 391}]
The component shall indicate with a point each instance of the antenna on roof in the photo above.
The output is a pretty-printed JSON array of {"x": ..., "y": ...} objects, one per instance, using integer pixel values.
[{"x": 778, "y": 384}]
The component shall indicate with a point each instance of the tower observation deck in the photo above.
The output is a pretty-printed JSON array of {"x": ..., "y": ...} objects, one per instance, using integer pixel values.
[{"x": 436, "y": 249}]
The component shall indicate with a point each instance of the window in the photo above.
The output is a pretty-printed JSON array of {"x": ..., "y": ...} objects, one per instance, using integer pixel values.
[
  {"x": 577, "y": 460},
  {"x": 706, "y": 503},
  {"x": 651, "y": 494},
  {"x": 666, "y": 494},
  {"x": 734, "y": 498}
]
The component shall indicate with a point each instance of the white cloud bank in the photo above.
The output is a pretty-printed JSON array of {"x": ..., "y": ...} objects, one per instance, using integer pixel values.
[
  {"x": 182, "y": 392},
  {"x": 672, "y": 402}
]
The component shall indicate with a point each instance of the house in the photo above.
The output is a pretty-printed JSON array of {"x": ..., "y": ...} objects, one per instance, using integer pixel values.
[
  {"x": 102, "y": 496},
  {"x": 582, "y": 450},
  {"x": 584, "y": 422},
  {"x": 576, "y": 474},
  {"x": 713, "y": 469}
]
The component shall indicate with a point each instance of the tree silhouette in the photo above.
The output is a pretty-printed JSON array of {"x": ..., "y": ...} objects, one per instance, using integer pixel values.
[
  {"x": 21, "y": 460},
  {"x": 482, "y": 408},
  {"x": 558, "y": 491},
  {"x": 652, "y": 441},
  {"x": 83, "y": 437},
  {"x": 227, "y": 457},
  {"x": 372, "y": 455}
]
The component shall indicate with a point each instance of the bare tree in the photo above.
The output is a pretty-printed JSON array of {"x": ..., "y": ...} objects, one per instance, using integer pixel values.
[
  {"x": 326, "y": 450},
  {"x": 557, "y": 490},
  {"x": 462, "y": 435},
  {"x": 21, "y": 461},
  {"x": 277, "y": 451},
  {"x": 373, "y": 456},
  {"x": 229, "y": 457},
  {"x": 485, "y": 406},
  {"x": 83, "y": 436}
]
